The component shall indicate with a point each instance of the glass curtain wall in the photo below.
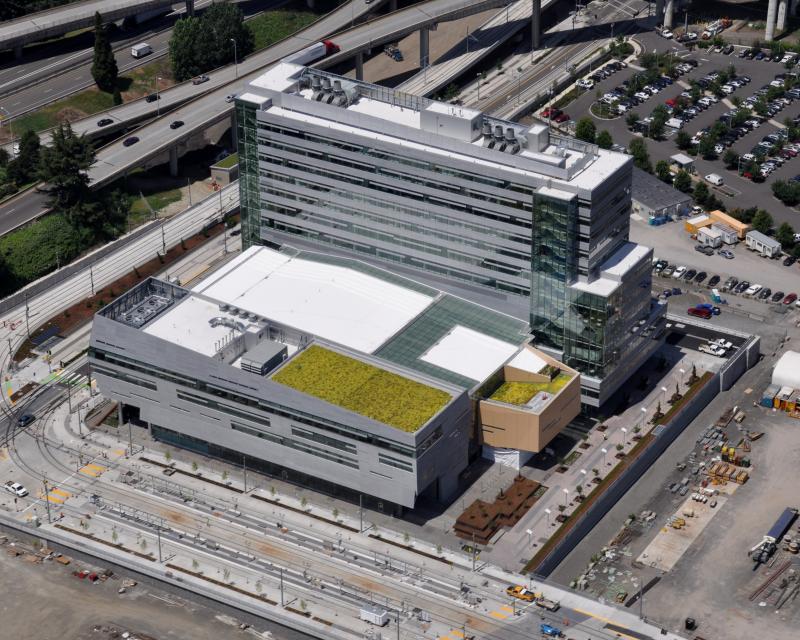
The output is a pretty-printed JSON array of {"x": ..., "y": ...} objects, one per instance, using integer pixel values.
[{"x": 249, "y": 197}]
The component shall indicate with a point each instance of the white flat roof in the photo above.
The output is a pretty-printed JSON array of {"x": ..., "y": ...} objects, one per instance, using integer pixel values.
[
  {"x": 336, "y": 303},
  {"x": 624, "y": 259},
  {"x": 186, "y": 324},
  {"x": 469, "y": 353},
  {"x": 601, "y": 287},
  {"x": 392, "y": 112},
  {"x": 527, "y": 360}
]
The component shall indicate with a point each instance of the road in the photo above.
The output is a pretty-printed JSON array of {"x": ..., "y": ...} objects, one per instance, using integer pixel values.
[
  {"x": 54, "y": 22},
  {"x": 57, "y": 70}
]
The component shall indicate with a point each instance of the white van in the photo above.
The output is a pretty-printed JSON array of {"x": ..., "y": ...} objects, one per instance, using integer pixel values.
[
  {"x": 714, "y": 179},
  {"x": 674, "y": 123},
  {"x": 140, "y": 50}
]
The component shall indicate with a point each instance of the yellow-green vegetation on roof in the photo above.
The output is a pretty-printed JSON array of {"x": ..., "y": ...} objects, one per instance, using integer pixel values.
[
  {"x": 228, "y": 161},
  {"x": 363, "y": 388},
  {"x": 522, "y": 392}
]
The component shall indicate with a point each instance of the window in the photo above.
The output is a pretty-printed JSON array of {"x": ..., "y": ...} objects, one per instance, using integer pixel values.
[{"x": 393, "y": 462}]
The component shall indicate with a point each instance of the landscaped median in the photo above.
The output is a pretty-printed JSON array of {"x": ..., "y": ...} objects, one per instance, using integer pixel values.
[
  {"x": 362, "y": 388},
  {"x": 606, "y": 483}
]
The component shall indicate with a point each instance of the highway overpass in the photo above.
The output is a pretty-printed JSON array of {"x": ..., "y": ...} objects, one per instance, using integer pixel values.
[{"x": 14, "y": 34}]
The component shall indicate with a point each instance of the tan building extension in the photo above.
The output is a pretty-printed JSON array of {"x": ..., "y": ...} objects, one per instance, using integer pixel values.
[{"x": 528, "y": 402}]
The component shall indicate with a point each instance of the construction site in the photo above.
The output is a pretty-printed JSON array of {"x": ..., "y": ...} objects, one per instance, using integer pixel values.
[{"x": 715, "y": 553}]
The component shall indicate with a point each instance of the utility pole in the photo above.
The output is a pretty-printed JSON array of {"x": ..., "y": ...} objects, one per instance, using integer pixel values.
[
  {"x": 244, "y": 468},
  {"x": 158, "y": 531},
  {"x": 69, "y": 395},
  {"x": 474, "y": 552},
  {"x": 163, "y": 239},
  {"x": 130, "y": 439},
  {"x": 235, "y": 59},
  {"x": 398, "y": 625},
  {"x": 91, "y": 277},
  {"x": 46, "y": 499},
  {"x": 360, "y": 513},
  {"x": 27, "y": 317},
  {"x": 281, "y": 586}
]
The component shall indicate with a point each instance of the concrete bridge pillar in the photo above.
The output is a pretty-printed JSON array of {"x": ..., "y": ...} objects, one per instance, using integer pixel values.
[
  {"x": 536, "y": 25},
  {"x": 173, "y": 161},
  {"x": 772, "y": 8},
  {"x": 424, "y": 47},
  {"x": 669, "y": 10},
  {"x": 189, "y": 7},
  {"x": 359, "y": 66},
  {"x": 392, "y": 5},
  {"x": 660, "y": 11},
  {"x": 780, "y": 25},
  {"x": 310, "y": 4},
  {"x": 793, "y": 7},
  {"x": 18, "y": 52}
]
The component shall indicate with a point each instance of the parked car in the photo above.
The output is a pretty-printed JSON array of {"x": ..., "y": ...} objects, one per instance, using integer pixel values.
[
  {"x": 689, "y": 275},
  {"x": 764, "y": 293},
  {"x": 777, "y": 296},
  {"x": 699, "y": 312},
  {"x": 743, "y": 286},
  {"x": 562, "y": 118},
  {"x": 788, "y": 261},
  {"x": 678, "y": 273},
  {"x": 700, "y": 277},
  {"x": 790, "y": 298},
  {"x": 585, "y": 83},
  {"x": 713, "y": 281},
  {"x": 727, "y": 254},
  {"x": 668, "y": 270},
  {"x": 16, "y": 488},
  {"x": 704, "y": 248}
]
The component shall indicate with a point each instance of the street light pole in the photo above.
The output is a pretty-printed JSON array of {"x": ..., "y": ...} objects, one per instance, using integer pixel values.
[
  {"x": 235, "y": 59},
  {"x": 158, "y": 97},
  {"x": 479, "y": 87}
]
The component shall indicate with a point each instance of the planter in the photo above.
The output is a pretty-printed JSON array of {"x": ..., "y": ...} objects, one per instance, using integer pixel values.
[
  {"x": 561, "y": 469},
  {"x": 620, "y": 456},
  {"x": 584, "y": 445},
  {"x": 602, "y": 427}
]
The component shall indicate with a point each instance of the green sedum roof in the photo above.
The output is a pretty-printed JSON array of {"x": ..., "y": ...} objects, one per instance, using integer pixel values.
[
  {"x": 363, "y": 388},
  {"x": 522, "y": 392}
]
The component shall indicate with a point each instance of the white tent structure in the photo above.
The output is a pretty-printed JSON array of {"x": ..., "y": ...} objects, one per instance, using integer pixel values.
[{"x": 787, "y": 370}]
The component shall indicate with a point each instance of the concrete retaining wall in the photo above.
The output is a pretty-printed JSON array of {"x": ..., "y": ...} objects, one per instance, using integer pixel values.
[{"x": 664, "y": 436}]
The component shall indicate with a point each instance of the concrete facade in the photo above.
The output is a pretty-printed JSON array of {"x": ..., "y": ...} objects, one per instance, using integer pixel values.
[{"x": 201, "y": 403}]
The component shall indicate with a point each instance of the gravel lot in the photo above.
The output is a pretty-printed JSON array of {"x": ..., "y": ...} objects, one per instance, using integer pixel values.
[{"x": 747, "y": 193}]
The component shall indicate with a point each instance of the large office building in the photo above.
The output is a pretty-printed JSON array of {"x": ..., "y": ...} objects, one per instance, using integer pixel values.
[
  {"x": 516, "y": 217},
  {"x": 331, "y": 373}
]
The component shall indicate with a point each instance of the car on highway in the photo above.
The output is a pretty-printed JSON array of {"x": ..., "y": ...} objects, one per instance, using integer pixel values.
[
  {"x": 200, "y": 79},
  {"x": 790, "y": 298},
  {"x": 777, "y": 296},
  {"x": 152, "y": 97},
  {"x": 714, "y": 281},
  {"x": 176, "y": 124},
  {"x": 16, "y": 488},
  {"x": 104, "y": 122},
  {"x": 25, "y": 419},
  {"x": 727, "y": 254},
  {"x": 230, "y": 97},
  {"x": 129, "y": 142},
  {"x": 699, "y": 312}
]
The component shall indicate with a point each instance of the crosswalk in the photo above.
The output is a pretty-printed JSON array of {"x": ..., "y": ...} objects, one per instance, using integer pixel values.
[
  {"x": 74, "y": 380},
  {"x": 56, "y": 495},
  {"x": 91, "y": 470}
]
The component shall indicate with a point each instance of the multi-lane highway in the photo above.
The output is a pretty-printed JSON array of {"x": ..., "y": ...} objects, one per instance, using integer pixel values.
[{"x": 54, "y": 71}]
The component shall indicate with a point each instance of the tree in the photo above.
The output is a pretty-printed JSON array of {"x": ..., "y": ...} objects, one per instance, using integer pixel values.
[
  {"x": 104, "y": 65},
  {"x": 683, "y": 181},
  {"x": 656, "y": 128},
  {"x": 604, "y": 140},
  {"x": 700, "y": 193},
  {"x": 116, "y": 97},
  {"x": 585, "y": 130},
  {"x": 785, "y": 235},
  {"x": 662, "y": 171},
  {"x": 25, "y": 166},
  {"x": 683, "y": 140},
  {"x": 762, "y": 221},
  {"x": 641, "y": 158},
  {"x": 731, "y": 159},
  {"x": 63, "y": 167},
  {"x": 706, "y": 148},
  {"x": 632, "y": 119},
  {"x": 201, "y": 44}
]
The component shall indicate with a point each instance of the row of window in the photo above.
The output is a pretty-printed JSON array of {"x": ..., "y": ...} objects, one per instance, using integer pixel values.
[
  {"x": 393, "y": 462},
  {"x": 125, "y": 378},
  {"x": 297, "y": 445},
  {"x": 274, "y": 408}
]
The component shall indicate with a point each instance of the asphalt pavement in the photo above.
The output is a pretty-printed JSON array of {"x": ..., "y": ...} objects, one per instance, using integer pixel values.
[
  {"x": 54, "y": 70},
  {"x": 745, "y": 192}
]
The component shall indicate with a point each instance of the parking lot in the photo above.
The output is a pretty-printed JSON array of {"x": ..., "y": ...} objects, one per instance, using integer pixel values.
[
  {"x": 673, "y": 244},
  {"x": 737, "y": 191}
]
